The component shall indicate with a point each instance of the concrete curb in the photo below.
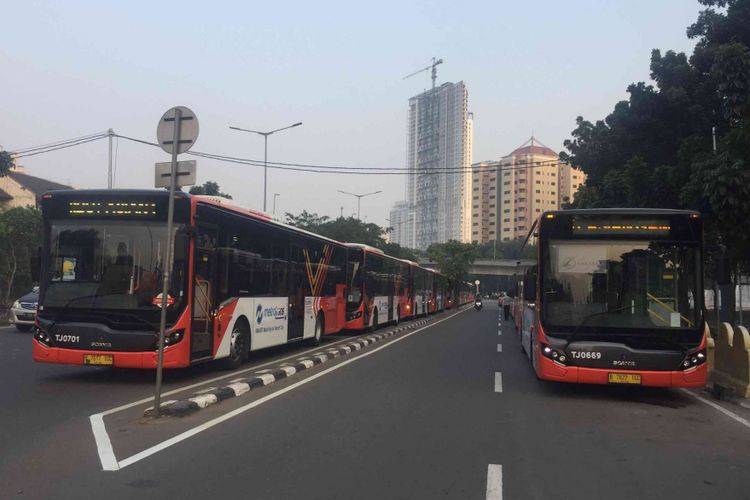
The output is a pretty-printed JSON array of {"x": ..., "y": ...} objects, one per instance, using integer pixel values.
[{"x": 240, "y": 386}]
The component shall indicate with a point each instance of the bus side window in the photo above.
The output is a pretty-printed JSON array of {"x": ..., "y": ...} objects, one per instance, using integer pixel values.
[{"x": 529, "y": 284}]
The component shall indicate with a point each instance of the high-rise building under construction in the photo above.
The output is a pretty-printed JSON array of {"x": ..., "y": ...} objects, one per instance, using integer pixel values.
[{"x": 438, "y": 186}]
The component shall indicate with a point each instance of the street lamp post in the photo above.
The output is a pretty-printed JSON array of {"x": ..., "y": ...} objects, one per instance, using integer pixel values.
[
  {"x": 265, "y": 153},
  {"x": 359, "y": 199}
]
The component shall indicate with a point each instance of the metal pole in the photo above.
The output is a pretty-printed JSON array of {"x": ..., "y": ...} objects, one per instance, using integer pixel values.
[
  {"x": 359, "y": 202},
  {"x": 265, "y": 169},
  {"x": 713, "y": 137},
  {"x": 109, "y": 169},
  {"x": 167, "y": 264},
  {"x": 739, "y": 285}
]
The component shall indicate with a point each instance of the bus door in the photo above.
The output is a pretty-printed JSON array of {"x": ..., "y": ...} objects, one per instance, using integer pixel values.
[
  {"x": 204, "y": 272},
  {"x": 298, "y": 290}
]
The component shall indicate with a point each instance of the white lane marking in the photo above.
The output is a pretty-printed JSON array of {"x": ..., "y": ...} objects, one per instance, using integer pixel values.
[
  {"x": 720, "y": 408},
  {"x": 103, "y": 445},
  {"x": 498, "y": 382},
  {"x": 208, "y": 389},
  {"x": 499, "y": 332},
  {"x": 494, "y": 482},
  {"x": 211, "y": 423},
  {"x": 499, "y": 347}
]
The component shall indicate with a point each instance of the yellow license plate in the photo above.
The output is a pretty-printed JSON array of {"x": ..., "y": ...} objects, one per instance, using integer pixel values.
[
  {"x": 98, "y": 359},
  {"x": 624, "y": 378}
]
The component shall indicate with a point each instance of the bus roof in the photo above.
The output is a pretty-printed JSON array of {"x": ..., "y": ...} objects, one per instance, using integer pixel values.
[{"x": 621, "y": 211}]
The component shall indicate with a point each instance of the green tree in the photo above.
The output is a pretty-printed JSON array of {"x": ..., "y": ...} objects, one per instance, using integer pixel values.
[
  {"x": 210, "y": 188},
  {"x": 20, "y": 235},
  {"x": 349, "y": 230},
  {"x": 6, "y": 163},
  {"x": 453, "y": 258},
  {"x": 307, "y": 221}
]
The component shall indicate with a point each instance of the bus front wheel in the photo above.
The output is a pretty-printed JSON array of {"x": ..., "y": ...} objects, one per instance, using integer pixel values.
[{"x": 239, "y": 346}]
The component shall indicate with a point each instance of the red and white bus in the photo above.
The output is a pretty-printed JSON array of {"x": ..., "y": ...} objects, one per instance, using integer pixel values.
[
  {"x": 240, "y": 281},
  {"x": 616, "y": 298},
  {"x": 380, "y": 288}
]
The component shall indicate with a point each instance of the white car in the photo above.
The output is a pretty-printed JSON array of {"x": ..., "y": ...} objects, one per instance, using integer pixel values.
[{"x": 23, "y": 311}]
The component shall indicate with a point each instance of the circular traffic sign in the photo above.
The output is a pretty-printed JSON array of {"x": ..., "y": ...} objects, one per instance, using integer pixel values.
[
  {"x": 188, "y": 129},
  {"x": 476, "y": 282}
]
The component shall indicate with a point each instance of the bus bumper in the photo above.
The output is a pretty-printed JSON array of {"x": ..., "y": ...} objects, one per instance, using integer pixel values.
[
  {"x": 549, "y": 370},
  {"x": 173, "y": 358}
]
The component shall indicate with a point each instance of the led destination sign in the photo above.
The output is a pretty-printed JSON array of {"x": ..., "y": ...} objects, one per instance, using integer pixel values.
[
  {"x": 112, "y": 209},
  {"x": 632, "y": 227}
]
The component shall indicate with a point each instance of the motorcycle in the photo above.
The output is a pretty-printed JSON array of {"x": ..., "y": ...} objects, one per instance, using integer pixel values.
[{"x": 477, "y": 306}]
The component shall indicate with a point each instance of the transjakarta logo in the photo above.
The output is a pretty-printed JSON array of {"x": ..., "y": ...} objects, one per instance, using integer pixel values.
[{"x": 272, "y": 312}]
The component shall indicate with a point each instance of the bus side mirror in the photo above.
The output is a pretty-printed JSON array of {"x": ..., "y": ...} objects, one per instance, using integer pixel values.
[{"x": 35, "y": 265}]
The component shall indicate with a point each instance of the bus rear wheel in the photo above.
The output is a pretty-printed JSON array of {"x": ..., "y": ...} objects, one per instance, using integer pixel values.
[{"x": 318, "y": 336}]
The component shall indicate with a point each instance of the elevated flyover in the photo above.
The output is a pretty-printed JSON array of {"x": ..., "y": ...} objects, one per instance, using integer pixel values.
[{"x": 499, "y": 267}]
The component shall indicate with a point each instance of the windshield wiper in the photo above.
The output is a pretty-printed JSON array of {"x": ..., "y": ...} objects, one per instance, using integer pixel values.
[{"x": 583, "y": 322}]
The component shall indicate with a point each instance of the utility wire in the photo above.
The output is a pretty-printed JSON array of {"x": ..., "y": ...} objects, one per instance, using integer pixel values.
[
  {"x": 19, "y": 151},
  {"x": 327, "y": 169},
  {"x": 69, "y": 144}
]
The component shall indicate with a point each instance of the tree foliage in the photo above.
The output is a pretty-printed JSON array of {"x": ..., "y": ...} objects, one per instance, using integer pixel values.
[
  {"x": 655, "y": 149},
  {"x": 20, "y": 235},
  {"x": 210, "y": 188},
  {"x": 6, "y": 163},
  {"x": 453, "y": 258},
  {"x": 348, "y": 230}
]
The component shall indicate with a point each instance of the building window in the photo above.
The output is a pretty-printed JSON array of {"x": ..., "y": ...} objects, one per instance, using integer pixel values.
[
  {"x": 538, "y": 182},
  {"x": 506, "y": 201},
  {"x": 492, "y": 223},
  {"x": 507, "y": 229},
  {"x": 492, "y": 188},
  {"x": 506, "y": 211},
  {"x": 492, "y": 197},
  {"x": 492, "y": 206},
  {"x": 506, "y": 220},
  {"x": 552, "y": 183},
  {"x": 538, "y": 191},
  {"x": 506, "y": 183},
  {"x": 506, "y": 192},
  {"x": 538, "y": 200}
]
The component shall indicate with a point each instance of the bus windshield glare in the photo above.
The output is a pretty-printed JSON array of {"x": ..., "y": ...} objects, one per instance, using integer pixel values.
[
  {"x": 109, "y": 265},
  {"x": 627, "y": 284}
]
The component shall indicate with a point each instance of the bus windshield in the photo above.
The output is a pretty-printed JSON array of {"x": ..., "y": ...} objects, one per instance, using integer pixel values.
[
  {"x": 101, "y": 265},
  {"x": 626, "y": 284}
]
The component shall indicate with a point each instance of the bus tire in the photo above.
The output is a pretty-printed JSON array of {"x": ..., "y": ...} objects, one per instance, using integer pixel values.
[
  {"x": 239, "y": 345},
  {"x": 319, "y": 330}
]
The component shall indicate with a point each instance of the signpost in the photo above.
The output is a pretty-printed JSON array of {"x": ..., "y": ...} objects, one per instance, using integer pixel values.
[
  {"x": 476, "y": 282},
  {"x": 176, "y": 133}
]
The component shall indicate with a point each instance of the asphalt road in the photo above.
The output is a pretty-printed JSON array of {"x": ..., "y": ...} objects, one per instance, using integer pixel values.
[{"x": 421, "y": 417}]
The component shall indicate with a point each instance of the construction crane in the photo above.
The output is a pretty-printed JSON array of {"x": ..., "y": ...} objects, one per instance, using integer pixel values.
[{"x": 432, "y": 66}]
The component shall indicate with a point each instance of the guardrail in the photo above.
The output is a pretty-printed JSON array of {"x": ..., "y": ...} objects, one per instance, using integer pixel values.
[{"x": 729, "y": 359}]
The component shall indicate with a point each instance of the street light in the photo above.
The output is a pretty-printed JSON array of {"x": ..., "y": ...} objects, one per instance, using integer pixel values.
[
  {"x": 359, "y": 198},
  {"x": 275, "y": 195},
  {"x": 265, "y": 153}
]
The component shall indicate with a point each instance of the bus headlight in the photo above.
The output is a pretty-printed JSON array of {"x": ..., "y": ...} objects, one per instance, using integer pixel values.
[
  {"x": 172, "y": 338},
  {"x": 693, "y": 359},
  {"x": 42, "y": 337},
  {"x": 554, "y": 354}
]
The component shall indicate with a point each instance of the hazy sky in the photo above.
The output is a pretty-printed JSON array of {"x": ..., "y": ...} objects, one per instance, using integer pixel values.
[{"x": 72, "y": 68}]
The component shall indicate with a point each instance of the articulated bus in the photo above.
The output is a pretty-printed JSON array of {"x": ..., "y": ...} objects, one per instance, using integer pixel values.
[
  {"x": 616, "y": 298},
  {"x": 239, "y": 281}
]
